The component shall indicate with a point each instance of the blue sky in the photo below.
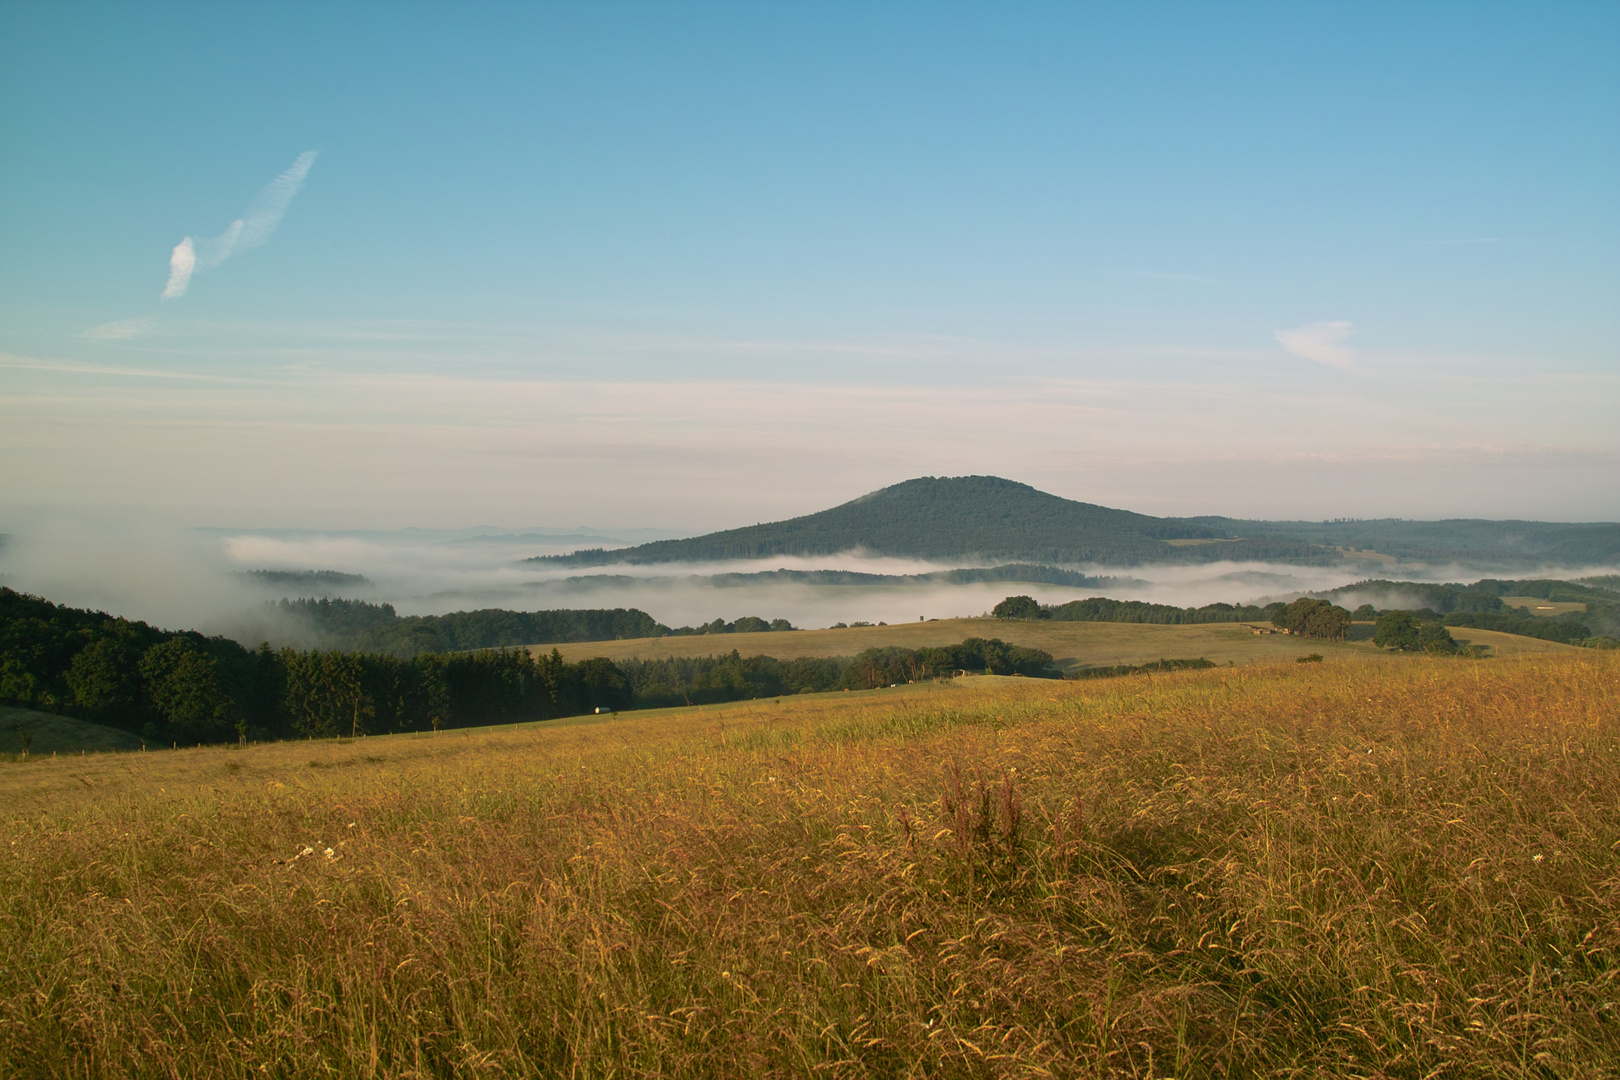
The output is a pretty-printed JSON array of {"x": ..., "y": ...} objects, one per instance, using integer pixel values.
[{"x": 689, "y": 266}]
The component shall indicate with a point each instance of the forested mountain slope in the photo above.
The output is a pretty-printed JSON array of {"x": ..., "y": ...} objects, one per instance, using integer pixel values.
[{"x": 965, "y": 517}]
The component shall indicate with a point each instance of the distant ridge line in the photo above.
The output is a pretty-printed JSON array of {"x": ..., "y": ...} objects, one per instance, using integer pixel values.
[
  {"x": 988, "y": 519},
  {"x": 968, "y": 518}
]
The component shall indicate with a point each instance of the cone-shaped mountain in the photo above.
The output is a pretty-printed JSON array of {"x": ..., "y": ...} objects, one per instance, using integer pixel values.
[{"x": 960, "y": 518}]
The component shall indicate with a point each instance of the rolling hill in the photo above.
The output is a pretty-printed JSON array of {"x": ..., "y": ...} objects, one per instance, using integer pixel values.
[
  {"x": 966, "y": 518},
  {"x": 1477, "y": 542}
]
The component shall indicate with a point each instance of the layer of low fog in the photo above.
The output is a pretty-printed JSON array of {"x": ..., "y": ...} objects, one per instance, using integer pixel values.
[{"x": 199, "y": 578}]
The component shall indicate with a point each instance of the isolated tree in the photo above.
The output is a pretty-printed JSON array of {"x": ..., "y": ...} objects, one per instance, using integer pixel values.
[
  {"x": 1017, "y": 607},
  {"x": 1309, "y": 617},
  {"x": 1396, "y": 630}
]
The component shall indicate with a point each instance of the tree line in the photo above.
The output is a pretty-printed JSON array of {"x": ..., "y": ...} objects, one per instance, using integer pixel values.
[
  {"x": 1310, "y": 617},
  {"x": 1500, "y": 543},
  {"x": 367, "y": 627},
  {"x": 1570, "y": 631},
  {"x": 703, "y": 680},
  {"x": 184, "y": 687},
  {"x": 1478, "y": 605},
  {"x": 1102, "y": 609},
  {"x": 1485, "y": 595}
]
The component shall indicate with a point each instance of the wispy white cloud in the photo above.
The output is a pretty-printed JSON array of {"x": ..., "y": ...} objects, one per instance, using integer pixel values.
[
  {"x": 182, "y": 261},
  {"x": 248, "y": 231},
  {"x": 123, "y": 330},
  {"x": 1322, "y": 342}
]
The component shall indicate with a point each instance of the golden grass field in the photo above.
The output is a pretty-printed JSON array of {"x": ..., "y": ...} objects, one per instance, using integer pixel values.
[
  {"x": 1074, "y": 645},
  {"x": 1407, "y": 868}
]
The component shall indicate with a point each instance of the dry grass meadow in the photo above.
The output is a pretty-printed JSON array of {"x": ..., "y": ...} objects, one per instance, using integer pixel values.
[
  {"x": 1403, "y": 868},
  {"x": 1074, "y": 645}
]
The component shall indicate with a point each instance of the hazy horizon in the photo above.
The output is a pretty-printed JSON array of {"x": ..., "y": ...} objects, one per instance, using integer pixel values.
[{"x": 197, "y": 578}]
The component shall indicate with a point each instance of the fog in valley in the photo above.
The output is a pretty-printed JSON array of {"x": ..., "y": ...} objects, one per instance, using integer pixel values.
[{"x": 201, "y": 578}]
